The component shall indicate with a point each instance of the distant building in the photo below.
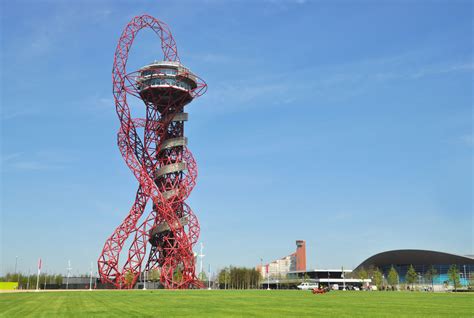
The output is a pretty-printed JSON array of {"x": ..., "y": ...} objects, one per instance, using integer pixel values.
[
  {"x": 289, "y": 271},
  {"x": 290, "y": 263},
  {"x": 422, "y": 261},
  {"x": 78, "y": 282},
  {"x": 334, "y": 278}
]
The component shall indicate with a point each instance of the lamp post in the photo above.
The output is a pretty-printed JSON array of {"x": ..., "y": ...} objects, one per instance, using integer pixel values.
[
  {"x": 398, "y": 282},
  {"x": 38, "y": 275},
  {"x": 90, "y": 280},
  {"x": 329, "y": 278},
  {"x": 465, "y": 277},
  {"x": 68, "y": 273},
  {"x": 28, "y": 283},
  {"x": 16, "y": 272},
  {"x": 209, "y": 277},
  {"x": 278, "y": 273},
  {"x": 45, "y": 276},
  {"x": 268, "y": 276},
  {"x": 423, "y": 282},
  {"x": 225, "y": 278},
  {"x": 201, "y": 256},
  {"x": 343, "y": 278}
]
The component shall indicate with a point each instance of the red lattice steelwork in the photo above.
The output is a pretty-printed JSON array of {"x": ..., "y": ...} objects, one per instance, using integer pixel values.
[{"x": 164, "y": 167}]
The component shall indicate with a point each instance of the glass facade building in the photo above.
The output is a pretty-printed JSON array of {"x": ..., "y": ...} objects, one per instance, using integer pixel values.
[{"x": 422, "y": 261}]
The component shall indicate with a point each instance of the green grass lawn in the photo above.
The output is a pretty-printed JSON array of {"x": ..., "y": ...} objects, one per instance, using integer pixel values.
[{"x": 227, "y": 303}]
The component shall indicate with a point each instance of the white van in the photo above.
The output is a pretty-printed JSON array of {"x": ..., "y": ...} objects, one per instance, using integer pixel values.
[{"x": 306, "y": 286}]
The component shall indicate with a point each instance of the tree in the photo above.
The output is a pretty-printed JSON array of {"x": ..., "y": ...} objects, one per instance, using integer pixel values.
[
  {"x": 239, "y": 278},
  {"x": 453, "y": 275},
  {"x": 305, "y": 277},
  {"x": 370, "y": 270},
  {"x": 430, "y": 275},
  {"x": 154, "y": 275},
  {"x": 129, "y": 279},
  {"x": 58, "y": 279},
  {"x": 470, "y": 282},
  {"x": 377, "y": 277},
  {"x": 411, "y": 275},
  {"x": 392, "y": 277},
  {"x": 202, "y": 276},
  {"x": 178, "y": 275},
  {"x": 223, "y": 278},
  {"x": 362, "y": 275}
]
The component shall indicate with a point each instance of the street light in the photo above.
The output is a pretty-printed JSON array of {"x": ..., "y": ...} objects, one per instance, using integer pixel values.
[
  {"x": 45, "y": 276},
  {"x": 268, "y": 276},
  {"x": 465, "y": 277},
  {"x": 419, "y": 281},
  {"x": 28, "y": 284},
  {"x": 68, "y": 273},
  {"x": 398, "y": 282},
  {"x": 209, "y": 278},
  {"x": 329, "y": 278},
  {"x": 343, "y": 279},
  {"x": 90, "y": 280},
  {"x": 16, "y": 272}
]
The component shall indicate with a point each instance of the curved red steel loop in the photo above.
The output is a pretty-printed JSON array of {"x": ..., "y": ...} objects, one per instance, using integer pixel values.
[{"x": 173, "y": 255}]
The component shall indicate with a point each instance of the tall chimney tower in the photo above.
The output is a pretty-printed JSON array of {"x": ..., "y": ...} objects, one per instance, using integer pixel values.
[{"x": 300, "y": 255}]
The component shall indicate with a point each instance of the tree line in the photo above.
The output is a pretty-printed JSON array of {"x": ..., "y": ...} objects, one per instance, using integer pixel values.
[
  {"x": 29, "y": 282},
  {"x": 411, "y": 276},
  {"x": 239, "y": 278}
]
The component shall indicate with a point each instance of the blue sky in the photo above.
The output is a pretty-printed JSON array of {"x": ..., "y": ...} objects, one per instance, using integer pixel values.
[{"x": 346, "y": 124}]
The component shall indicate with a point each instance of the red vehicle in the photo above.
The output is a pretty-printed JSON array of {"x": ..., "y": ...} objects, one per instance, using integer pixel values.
[{"x": 320, "y": 290}]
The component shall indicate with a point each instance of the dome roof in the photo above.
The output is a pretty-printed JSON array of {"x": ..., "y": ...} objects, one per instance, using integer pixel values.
[{"x": 415, "y": 257}]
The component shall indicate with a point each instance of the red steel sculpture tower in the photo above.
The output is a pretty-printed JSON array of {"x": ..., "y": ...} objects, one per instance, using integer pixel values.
[{"x": 165, "y": 169}]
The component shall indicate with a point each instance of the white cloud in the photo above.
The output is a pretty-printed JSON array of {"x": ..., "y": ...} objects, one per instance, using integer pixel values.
[
  {"x": 38, "y": 161},
  {"x": 443, "y": 69},
  {"x": 211, "y": 57},
  {"x": 14, "y": 114},
  {"x": 467, "y": 140},
  {"x": 45, "y": 35},
  {"x": 335, "y": 82}
]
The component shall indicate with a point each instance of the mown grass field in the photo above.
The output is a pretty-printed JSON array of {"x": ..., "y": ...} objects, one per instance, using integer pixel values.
[{"x": 226, "y": 303}]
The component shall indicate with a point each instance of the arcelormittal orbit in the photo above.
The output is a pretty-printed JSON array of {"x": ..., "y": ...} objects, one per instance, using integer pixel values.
[{"x": 155, "y": 149}]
